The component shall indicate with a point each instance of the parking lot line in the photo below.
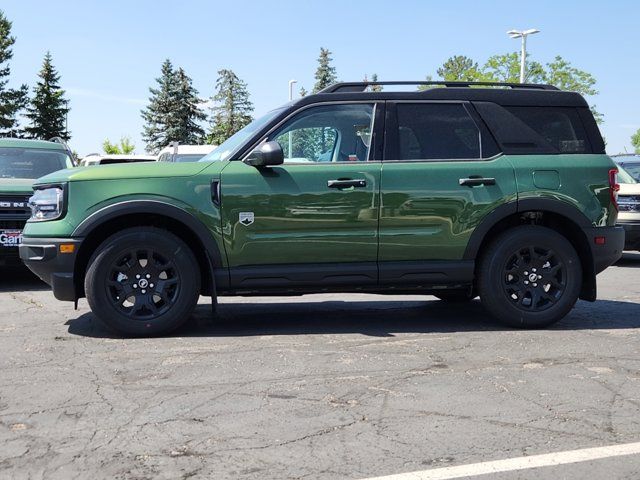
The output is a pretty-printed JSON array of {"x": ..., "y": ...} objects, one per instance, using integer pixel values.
[{"x": 518, "y": 463}]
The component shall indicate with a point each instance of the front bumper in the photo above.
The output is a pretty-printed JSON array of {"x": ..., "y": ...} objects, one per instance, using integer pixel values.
[
  {"x": 632, "y": 234},
  {"x": 609, "y": 251},
  {"x": 43, "y": 257},
  {"x": 10, "y": 259}
]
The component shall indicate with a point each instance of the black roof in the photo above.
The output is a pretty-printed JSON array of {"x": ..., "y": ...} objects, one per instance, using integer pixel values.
[{"x": 509, "y": 95}]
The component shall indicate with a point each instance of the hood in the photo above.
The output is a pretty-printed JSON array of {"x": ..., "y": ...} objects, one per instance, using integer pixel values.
[
  {"x": 16, "y": 185},
  {"x": 125, "y": 171}
]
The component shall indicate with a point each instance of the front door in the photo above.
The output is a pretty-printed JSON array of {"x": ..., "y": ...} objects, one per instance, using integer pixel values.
[{"x": 312, "y": 221}]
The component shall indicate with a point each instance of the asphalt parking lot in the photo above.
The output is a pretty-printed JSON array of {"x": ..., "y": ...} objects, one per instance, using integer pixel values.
[{"x": 320, "y": 386}]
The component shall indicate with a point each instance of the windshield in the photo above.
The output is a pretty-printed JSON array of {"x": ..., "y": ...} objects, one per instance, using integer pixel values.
[
  {"x": 632, "y": 169},
  {"x": 187, "y": 157},
  {"x": 31, "y": 162},
  {"x": 237, "y": 140},
  {"x": 624, "y": 176}
]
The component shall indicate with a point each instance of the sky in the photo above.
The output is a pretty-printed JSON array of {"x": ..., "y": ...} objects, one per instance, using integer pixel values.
[{"x": 109, "y": 53}]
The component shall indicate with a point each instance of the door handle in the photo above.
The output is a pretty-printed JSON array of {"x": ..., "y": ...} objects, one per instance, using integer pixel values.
[
  {"x": 475, "y": 180},
  {"x": 347, "y": 183}
]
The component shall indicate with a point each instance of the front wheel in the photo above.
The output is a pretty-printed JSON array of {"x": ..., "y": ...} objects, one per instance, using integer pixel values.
[
  {"x": 143, "y": 282},
  {"x": 529, "y": 277}
]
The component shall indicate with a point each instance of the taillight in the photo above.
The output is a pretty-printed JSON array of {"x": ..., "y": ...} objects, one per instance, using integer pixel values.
[{"x": 614, "y": 186}]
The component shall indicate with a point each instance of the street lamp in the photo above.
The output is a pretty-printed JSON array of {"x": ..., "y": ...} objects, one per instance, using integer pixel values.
[
  {"x": 291, "y": 82},
  {"x": 522, "y": 34}
]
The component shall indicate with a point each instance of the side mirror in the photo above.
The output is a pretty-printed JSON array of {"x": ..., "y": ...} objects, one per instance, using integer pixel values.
[{"x": 266, "y": 154}]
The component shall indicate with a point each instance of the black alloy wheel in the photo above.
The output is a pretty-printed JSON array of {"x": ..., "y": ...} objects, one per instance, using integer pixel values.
[
  {"x": 529, "y": 276},
  {"x": 143, "y": 281}
]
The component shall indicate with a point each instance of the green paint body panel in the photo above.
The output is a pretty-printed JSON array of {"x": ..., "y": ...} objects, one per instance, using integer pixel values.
[
  {"x": 91, "y": 189},
  {"x": 297, "y": 217},
  {"x": 12, "y": 186},
  {"x": 407, "y": 211},
  {"x": 584, "y": 183},
  {"x": 427, "y": 215}
]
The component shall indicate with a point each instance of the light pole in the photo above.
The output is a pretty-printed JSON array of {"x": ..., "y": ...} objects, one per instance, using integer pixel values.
[
  {"x": 291, "y": 82},
  {"x": 522, "y": 34}
]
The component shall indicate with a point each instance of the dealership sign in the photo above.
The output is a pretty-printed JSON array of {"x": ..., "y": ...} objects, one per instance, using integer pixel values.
[{"x": 10, "y": 238}]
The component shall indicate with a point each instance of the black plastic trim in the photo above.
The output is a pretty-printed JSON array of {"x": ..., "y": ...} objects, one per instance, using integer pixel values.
[
  {"x": 427, "y": 273},
  {"x": 525, "y": 205},
  {"x": 353, "y": 276},
  {"x": 307, "y": 274},
  {"x": 156, "y": 207},
  {"x": 41, "y": 256}
]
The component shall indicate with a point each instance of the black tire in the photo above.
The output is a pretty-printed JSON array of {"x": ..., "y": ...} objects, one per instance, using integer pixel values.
[
  {"x": 455, "y": 296},
  {"x": 529, "y": 277},
  {"x": 137, "y": 297}
]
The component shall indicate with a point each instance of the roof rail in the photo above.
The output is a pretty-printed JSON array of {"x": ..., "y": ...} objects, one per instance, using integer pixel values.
[{"x": 361, "y": 86}]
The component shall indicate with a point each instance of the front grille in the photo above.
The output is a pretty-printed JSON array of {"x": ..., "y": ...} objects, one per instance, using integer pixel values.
[
  {"x": 12, "y": 224},
  {"x": 629, "y": 203},
  {"x": 14, "y": 207}
]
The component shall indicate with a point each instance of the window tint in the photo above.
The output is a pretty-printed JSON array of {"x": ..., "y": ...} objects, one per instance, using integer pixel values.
[
  {"x": 559, "y": 126},
  {"x": 330, "y": 133},
  {"x": 429, "y": 131}
]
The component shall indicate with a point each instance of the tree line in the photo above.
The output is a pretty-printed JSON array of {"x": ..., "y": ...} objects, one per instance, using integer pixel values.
[
  {"x": 45, "y": 111},
  {"x": 175, "y": 111}
]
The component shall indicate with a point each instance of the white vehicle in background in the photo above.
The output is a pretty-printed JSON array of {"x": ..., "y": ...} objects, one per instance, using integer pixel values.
[
  {"x": 184, "y": 153},
  {"x": 105, "y": 159}
]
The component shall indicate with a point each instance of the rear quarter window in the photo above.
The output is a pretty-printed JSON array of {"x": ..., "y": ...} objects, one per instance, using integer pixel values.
[{"x": 561, "y": 127}]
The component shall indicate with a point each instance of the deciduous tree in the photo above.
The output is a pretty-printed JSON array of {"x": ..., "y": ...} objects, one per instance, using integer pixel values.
[
  {"x": 125, "y": 146},
  {"x": 635, "y": 141}
]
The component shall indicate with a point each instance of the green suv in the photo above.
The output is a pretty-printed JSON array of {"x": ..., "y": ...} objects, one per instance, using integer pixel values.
[
  {"x": 21, "y": 162},
  {"x": 457, "y": 191}
]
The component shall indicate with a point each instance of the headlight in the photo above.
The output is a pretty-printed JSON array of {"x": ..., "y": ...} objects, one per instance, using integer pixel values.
[{"x": 47, "y": 204}]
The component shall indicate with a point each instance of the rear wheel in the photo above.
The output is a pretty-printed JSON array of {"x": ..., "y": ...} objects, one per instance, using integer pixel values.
[
  {"x": 143, "y": 282},
  {"x": 529, "y": 277}
]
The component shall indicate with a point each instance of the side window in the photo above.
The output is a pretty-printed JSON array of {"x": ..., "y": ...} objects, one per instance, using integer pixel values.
[
  {"x": 432, "y": 131},
  {"x": 328, "y": 133},
  {"x": 559, "y": 126}
]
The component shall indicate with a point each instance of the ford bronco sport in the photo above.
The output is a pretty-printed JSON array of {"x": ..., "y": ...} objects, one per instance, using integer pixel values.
[
  {"x": 497, "y": 191},
  {"x": 21, "y": 162}
]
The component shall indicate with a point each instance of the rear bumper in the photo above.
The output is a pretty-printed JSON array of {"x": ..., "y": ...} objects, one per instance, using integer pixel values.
[
  {"x": 43, "y": 257},
  {"x": 608, "y": 252},
  {"x": 632, "y": 235}
]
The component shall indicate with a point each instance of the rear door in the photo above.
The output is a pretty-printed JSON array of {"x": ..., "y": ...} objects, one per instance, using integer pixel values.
[
  {"x": 442, "y": 174},
  {"x": 314, "y": 219}
]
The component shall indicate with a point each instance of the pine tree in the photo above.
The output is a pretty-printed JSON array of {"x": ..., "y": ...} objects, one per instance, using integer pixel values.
[
  {"x": 159, "y": 127},
  {"x": 303, "y": 92},
  {"x": 11, "y": 100},
  {"x": 47, "y": 110},
  {"x": 188, "y": 112},
  {"x": 375, "y": 88},
  {"x": 174, "y": 112},
  {"x": 326, "y": 73},
  {"x": 232, "y": 110}
]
